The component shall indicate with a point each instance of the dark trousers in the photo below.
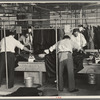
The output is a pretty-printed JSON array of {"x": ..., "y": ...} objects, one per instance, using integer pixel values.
[
  {"x": 66, "y": 60},
  {"x": 10, "y": 67},
  {"x": 78, "y": 58}
]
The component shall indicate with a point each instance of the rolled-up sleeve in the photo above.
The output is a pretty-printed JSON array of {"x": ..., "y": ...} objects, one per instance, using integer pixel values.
[
  {"x": 52, "y": 47},
  {"x": 19, "y": 45}
]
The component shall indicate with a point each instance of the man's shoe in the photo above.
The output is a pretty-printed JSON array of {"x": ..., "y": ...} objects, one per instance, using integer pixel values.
[{"x": 75, "y": 90}]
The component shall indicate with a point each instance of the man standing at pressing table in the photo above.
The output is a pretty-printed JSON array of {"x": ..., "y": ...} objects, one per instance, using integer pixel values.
[
  {"x": 11, "y": 43},
  {"x": 64, "y": 50}
]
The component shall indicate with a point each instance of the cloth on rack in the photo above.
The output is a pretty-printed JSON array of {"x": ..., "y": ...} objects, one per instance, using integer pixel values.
[
  {"x": 91, "y": 38},
  {"x": 50, "y": 63},
  {"x": 44, "y": 38},
  {"x": 96, "y": 37},
  {"x": 85, "y": 33}
]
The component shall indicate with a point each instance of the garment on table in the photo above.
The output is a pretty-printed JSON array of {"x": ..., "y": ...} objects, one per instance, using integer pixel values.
[{"x": 50, "y": 63}]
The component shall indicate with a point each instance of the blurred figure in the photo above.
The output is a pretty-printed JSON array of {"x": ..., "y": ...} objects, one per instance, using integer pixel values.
[{"x": 26, "y": 40}]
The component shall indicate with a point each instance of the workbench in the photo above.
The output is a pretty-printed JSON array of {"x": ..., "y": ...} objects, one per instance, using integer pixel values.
[
  {"x": 32, "y": 69},
  {"x": 94, "y": 69},
  {"x": 90, "y": 68}
]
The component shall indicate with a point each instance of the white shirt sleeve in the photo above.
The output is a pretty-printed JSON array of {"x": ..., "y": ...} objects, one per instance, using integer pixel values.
[
  {"x": 75, "y": 45},
  {"x": 52, "y": 47},
  {"x": 83, "y": 41},
  {"x": 19, "y": 45}
]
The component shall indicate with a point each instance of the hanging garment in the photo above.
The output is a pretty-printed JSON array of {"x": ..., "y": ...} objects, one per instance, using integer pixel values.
[
  {"x": 50, "y": 63},
  {"x": 91, "y": 38},
  {"x": 44, "y": 38},
  {"x": 96, "y": 37},
  {"x": 85, "y": 33}
]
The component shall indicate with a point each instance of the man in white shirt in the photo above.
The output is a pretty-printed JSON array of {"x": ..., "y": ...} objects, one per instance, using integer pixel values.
[
  {"x": 78, "y": 38},
  {"x": 11, "y": 43},
  {"x": 26, "y": 40},
  {"x": 64, "y": 49}
]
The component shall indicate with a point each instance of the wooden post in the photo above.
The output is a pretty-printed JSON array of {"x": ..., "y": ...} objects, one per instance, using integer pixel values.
[
  {"x": 5, "y": 56},
  {"x": 56, "y": 54}
]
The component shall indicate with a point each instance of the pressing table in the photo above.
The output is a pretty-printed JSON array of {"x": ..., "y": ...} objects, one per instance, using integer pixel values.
[
  {"x": 32, "y": 69},
  {"x": 90, "y": 68}
]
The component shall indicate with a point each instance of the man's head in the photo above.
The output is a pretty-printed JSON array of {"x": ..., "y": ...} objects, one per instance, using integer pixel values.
[
  {"x": 8, "y": 33},
  {"x": 81, "y": 28},
  {"x": 75, "y": 32}
]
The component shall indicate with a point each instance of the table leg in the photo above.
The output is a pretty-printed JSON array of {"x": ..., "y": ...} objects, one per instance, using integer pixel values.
[{"x": 40, "y": 76}]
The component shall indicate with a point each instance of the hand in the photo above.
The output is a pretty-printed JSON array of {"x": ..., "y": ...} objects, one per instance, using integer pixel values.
[
  {"x": 46, "y": 51},
  {"x": 41, "y": 55},
  {"x": 80, "y": 49},
  {"x": 31, "y": 51}
]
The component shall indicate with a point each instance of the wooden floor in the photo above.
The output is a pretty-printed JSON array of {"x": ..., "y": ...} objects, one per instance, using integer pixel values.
[{"x": 85, "y": 89}]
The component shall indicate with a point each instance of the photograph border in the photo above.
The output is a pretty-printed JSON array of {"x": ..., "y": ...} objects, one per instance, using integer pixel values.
[{"x": 50, "y": 97}]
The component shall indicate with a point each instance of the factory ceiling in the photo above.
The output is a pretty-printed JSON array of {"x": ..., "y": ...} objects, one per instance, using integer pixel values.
[{"x": 17, "y": 8}]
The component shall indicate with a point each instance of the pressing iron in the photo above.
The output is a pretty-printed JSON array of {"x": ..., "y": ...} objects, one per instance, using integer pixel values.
[{"x": 31, "y": 58}]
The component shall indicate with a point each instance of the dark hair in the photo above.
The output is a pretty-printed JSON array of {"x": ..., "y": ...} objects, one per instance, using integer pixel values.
[
  {"x": 80, "y": 25},
  {"x": 66, "y": 37},
  {"x": 9, "y": 33},
  {"x": 75, "y": 30}
]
